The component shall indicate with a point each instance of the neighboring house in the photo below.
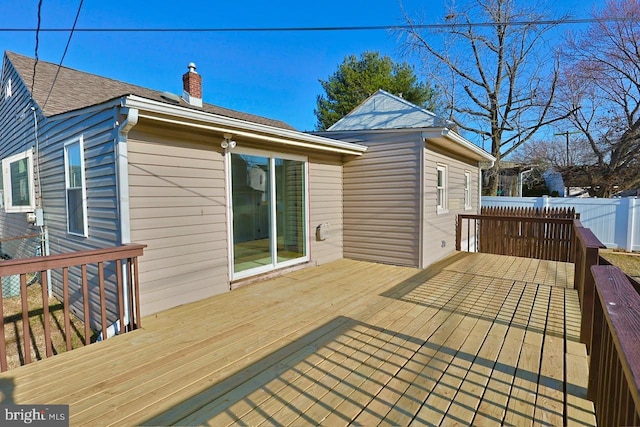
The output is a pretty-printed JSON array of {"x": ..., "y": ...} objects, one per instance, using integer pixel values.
[
  {"x": 402, "y": 197},
  {"x": 218, "y": 196}
]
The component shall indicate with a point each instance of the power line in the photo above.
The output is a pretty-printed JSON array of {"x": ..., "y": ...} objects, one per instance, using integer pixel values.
[
  {"x": 301, "y": 29},
  {"x": 33, "y": 78},
  {"x": 63, "y": 54}
]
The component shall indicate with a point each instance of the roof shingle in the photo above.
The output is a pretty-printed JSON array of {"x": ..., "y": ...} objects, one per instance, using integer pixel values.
[{"x": 76, "y": 89}]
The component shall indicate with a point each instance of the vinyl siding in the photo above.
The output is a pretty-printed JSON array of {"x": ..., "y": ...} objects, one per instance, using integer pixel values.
[
  {"x": 16, "y": 136},
  {"x": 97, "y": 130},
  {"x": 325, "y": 206},
  {"x": 177, "y": 208},
  {"x": 96, "y": 126},
  {"x": 440, "y": 228},
  {"x": 382, "y": 200}
]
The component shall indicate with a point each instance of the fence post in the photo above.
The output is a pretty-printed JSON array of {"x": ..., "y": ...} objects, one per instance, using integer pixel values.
[{"x": 631, "y": 222}]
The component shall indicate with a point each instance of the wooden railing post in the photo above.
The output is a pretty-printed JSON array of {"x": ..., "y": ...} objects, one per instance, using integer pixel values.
[
  {"x": 614, "y": 368},
  {"x": 87, "y": 294},
  {"x": 459, "y": 232}
]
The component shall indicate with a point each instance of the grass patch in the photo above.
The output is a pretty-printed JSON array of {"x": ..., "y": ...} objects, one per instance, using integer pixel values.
[
  {"x": 629, "y": 263},
  {"x": 13, "y": 327}
]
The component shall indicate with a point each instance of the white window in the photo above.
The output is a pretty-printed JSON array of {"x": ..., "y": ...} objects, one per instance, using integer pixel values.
[
  {"x": 75, "y": 188},
  {"x": 467, "y": 190},
  {"x": 441, "y": 189},
  {"x": 17, "y": 182},
  {"x": 7, "y": 89}
]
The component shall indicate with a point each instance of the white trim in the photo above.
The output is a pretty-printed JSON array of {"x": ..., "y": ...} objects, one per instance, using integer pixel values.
[
  {"x": 83, "y": 186},
  {"x": 443, "y": 207},
  {"x": 447, "y": 136},
  {"x": 468, "y": 205},
  {"x": 6, "y": 182},
  {"x": 421, "y": 213},
  {"x": 155, "y": 110},
  {"x": 271, "y": 156}
]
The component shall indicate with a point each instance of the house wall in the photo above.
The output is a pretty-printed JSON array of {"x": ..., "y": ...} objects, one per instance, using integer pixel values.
[
  {"x": 16, "y": 135},
  {"x": 96, "y": 126},
  {"x": 178, "y": 208},
  {"x": 440, "y": 228},
  {"x": 382, "y": 199},
  {"x": 326, "y": 206}
]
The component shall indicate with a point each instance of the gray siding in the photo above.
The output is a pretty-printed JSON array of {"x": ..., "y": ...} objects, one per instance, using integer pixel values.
[
  {"x": 96, "y": 126},
  {"x": 440, "y": 228},
  {"x": 178, "y": 208},
  {"x": 16, "y": 135},
  {"x": 382, "y": 200}
]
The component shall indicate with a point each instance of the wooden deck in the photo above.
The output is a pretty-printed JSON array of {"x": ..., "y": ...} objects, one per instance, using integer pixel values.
[{"x": 478, "y": 339}]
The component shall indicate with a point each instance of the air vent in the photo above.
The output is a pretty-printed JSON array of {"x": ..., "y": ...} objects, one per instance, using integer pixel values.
[{"x": 171, "y": 97}]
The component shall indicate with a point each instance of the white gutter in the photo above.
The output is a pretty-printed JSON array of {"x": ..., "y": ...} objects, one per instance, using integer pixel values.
[{"x": 155, "y": 110}]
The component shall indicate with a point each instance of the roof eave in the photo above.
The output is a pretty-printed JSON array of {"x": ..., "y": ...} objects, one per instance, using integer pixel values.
[
  {"x": 174, "y": 114},
  {"x": 444, "y": 137}
]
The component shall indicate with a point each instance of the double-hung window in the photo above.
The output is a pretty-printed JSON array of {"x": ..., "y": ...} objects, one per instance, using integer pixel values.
[
  {"x": 75, "y": 188},
  {"x": 17, "y": 182},
  {"x": 441, "y": 189},
  {"x": 467, "y": 190}
]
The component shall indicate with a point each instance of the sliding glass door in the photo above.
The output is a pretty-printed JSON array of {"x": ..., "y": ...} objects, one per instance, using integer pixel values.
[{"x": 268, "y": 207}]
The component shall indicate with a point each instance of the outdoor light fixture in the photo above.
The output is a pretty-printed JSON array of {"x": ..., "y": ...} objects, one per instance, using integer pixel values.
[{"x": 227, "y": 142}]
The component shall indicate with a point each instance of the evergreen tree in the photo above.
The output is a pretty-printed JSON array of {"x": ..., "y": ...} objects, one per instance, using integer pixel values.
[{"x": 358, "y": 78}]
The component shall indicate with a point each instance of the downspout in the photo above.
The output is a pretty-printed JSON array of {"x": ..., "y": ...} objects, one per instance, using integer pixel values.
[
  {"x": 39, "y": 211},
  {"x": 122, "y": 184}
]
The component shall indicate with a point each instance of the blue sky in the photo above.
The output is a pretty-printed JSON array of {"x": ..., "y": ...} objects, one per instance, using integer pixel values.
[{"x": 272, "y": 74}]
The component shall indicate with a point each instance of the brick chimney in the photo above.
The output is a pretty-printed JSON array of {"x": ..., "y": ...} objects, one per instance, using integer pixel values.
[{"x": 192, "y": 86}]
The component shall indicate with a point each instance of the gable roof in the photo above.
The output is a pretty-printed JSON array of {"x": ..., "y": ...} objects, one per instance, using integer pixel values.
[
  {"x": 383, "y": 110},
  {"x": 75, "y": 89}
]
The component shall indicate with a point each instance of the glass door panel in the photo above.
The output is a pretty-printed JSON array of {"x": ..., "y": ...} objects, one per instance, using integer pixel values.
[
  {"x": 290, "y": 209},
  {"x": 251, "y": 201}
]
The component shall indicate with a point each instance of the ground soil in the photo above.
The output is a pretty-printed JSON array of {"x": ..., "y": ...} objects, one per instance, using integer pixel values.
[
  {"x": 627, "y": 262},
  {"x": 14, "y": 332}
]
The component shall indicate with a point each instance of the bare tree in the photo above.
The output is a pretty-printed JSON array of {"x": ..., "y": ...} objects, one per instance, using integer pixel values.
[
  {"x": 494, "y": 69},
  {"x": 600, "y": 92}
]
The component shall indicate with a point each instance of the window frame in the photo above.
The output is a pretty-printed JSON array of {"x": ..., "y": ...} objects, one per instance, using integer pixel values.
[
  {"x": 83, "y": 188},
  {"x": 442, "y": 192},
  {"x": 467, "y": 190},
  {"x": 9, "y": 207}
]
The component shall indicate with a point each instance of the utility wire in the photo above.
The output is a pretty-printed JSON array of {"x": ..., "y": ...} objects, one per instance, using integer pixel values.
[
  {"x": 63, "y": 54},
  {"x": 342, "y": 28},
  {"x": 33, "y": 78}
]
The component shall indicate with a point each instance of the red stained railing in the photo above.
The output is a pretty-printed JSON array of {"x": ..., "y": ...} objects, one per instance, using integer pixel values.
[{"x": 122, "y": 259}]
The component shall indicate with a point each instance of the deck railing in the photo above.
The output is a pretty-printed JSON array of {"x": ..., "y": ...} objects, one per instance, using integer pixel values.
[
  {"x": 609, "y": 300},
  {"x": 614, "y": 367},
  {"x": 530, "y": 237},
  {"x": 123, "y": 293}
]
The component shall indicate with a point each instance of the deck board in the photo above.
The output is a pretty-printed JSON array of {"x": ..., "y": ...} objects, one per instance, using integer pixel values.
[{"x": 475, "y": 339}]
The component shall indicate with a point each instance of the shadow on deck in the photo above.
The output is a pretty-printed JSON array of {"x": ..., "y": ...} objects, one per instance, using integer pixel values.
[{"x": 348, "y": 342}]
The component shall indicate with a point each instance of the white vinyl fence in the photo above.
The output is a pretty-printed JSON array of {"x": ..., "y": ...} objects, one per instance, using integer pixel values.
[{"x": 616, "y": 222}]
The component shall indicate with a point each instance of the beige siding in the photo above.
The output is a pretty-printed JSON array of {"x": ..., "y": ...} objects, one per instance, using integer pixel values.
[
  {"x": 178, "y": 208},
  {"x": 325, "y": 206},
  {"x": 382, "y": 200},
  {"x": 439, "y": 229}
]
